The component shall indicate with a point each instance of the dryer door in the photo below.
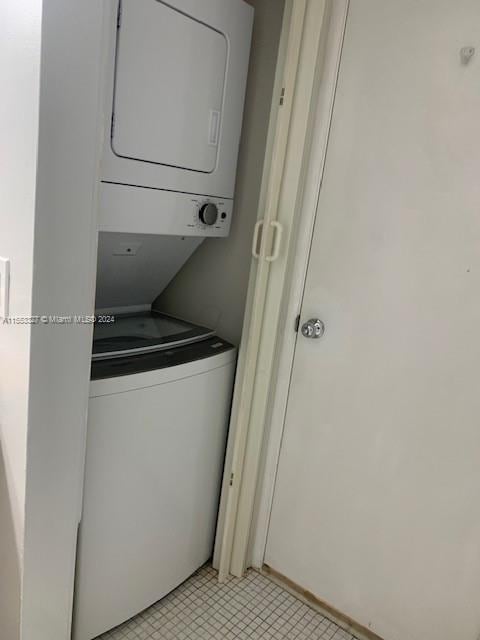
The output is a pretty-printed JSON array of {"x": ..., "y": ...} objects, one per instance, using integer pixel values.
[{"x": 169, "y": 86}]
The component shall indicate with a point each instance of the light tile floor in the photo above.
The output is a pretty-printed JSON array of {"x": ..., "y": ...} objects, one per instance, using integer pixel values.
[{"x": 250, "y": 608}]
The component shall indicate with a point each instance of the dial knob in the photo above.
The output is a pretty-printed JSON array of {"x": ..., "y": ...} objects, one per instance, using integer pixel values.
[{"x": 208, "y": 213}]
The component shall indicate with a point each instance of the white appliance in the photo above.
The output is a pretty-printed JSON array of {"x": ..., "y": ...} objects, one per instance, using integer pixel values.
[
  {"x": 176, "y": 77},
  {"x": 157, "y": 429}
]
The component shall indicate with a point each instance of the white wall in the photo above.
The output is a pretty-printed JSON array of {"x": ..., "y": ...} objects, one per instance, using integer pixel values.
[
  {"x": 48, "y": 232},
  {"x": 212, "y": 286},
  {"x": 20, "y": 38},
  {"x": 63, "y": 284}
]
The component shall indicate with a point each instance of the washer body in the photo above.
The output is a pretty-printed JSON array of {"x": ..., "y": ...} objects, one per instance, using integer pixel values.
[{"x": 157, "y": 430}]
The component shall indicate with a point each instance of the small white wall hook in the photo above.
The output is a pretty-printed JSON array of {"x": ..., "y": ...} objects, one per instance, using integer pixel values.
[{"x": 466, "y": 54}]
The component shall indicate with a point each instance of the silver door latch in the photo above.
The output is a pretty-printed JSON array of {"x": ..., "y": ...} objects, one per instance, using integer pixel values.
[{"x": 313, "y": 328}]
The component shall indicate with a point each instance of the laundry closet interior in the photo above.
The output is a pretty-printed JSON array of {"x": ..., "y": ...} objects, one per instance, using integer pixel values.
[
  {"x": 186, "y": 106},
  {"x": 270, "y": 431}
]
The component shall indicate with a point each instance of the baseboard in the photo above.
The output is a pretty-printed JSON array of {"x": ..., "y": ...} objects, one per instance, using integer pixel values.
[{"x": 343, "y": 621}]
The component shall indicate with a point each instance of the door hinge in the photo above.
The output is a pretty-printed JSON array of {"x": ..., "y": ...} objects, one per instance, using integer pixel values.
[
  {"x": 112, "y": 129},
  {"x": 282, "y": 96},
  {"x": 232, "y": 475},
  {"x": 297, "y": 323}
]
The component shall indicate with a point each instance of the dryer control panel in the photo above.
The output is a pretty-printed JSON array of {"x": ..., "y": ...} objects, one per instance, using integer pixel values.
[{"x": 129, "y": 209}]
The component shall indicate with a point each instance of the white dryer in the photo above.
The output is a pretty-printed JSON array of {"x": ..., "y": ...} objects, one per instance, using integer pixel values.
[
  {"x": 176, "y": 77},
  {"x": 157, "y": 427}
]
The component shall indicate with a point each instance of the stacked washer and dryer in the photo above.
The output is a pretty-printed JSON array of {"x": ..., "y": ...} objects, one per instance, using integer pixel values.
[{"x": 161, "y": 387}]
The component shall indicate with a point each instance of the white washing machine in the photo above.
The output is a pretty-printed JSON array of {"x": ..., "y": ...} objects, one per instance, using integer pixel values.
[
  {"x": 176, "y": 75},
  {"x": 157, "y": 427}
]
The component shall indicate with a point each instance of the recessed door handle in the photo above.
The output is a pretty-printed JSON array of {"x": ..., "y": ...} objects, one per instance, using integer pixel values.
[
  {"x": 256, "y": 233},
  {"x": 313, "y": 328}
]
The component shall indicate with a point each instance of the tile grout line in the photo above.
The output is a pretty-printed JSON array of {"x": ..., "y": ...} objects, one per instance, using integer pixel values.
[{"x": 249, "y": 608}]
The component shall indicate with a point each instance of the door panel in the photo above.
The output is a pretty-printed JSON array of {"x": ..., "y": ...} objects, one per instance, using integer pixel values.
[
  {"x": 168, "y": 107},
  {"x": 375, "y": 506}
]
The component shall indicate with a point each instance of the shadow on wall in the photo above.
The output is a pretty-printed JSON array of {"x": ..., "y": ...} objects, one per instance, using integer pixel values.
[{"x": 9, "y": 567}]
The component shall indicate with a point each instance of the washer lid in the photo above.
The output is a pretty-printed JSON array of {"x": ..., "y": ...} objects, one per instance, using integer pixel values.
[
  {"x": 169, "y": 86},
  {"x": 143, "y": 332},
  {"x": 186, "y": 354}
]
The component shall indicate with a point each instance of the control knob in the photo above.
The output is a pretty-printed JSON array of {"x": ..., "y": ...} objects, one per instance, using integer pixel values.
[{"x": 208, "y": 213}]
